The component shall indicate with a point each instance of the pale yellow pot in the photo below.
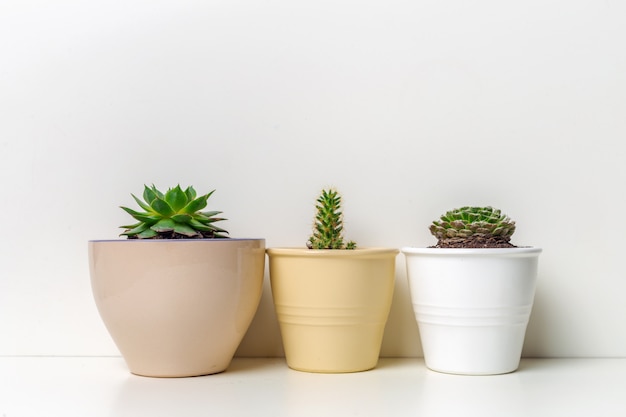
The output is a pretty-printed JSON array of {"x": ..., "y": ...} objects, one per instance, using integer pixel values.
[
  {"x": 332, "y": 305},
  {"x": 177, "y": 308}
]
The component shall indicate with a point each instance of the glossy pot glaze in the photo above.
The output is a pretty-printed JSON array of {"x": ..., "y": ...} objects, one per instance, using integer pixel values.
[
  {"x": 472, "y": 306},
  {"x": 177, "y": 308},
  {"x": 332, "y": 305}
]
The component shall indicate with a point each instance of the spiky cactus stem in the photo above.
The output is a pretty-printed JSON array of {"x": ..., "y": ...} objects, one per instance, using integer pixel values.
[
  {"x": 473, "y": 227},
  {"x": 328, "y": 228}
]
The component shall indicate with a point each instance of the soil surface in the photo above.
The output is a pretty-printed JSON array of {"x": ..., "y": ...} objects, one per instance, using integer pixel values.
[
  {"x": 475, "y": 242},
  {"x": 174, "y": 235}
]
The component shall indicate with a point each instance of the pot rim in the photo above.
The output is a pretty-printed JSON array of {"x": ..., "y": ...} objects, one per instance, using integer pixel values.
[
  {"x": 229, "y": 239},
  {"x": 303, "y": 251},
  {"x": 521, "y": 250}
]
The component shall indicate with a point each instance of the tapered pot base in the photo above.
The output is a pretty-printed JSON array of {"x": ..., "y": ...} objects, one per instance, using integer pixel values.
[
  {"x": 332, "y": 306},
  {"x": 177, "y": 308},
  {"x": 472, "y": 306}
]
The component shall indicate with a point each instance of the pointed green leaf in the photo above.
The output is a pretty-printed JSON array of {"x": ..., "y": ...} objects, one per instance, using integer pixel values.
[
  {"x": 208, "y": 220},
  {"x": 218, "y": 230},
  {"x": 143, "y": 205},
  {"x": 157, "y": 192},
  {"x": 142, "y": 217},
  {"x": 136, "y": 230},
  {"x": 199, "y": 226},
  {"x": 191, "y": 193},
  {"x": 205, "y": 227},
  {"x": 164, "y": 225},
  {"x": 131, "y": 226},
  {"x": 147, "y": 234},
  {"x": 209, "y": 214},
  {"x": 160, "y": 206},
  {"x": 149, "y": 219},
  {"x": 196, "y": 205},
  {"x": 183, "y": 229},
  {"x": 182, "y": 218},
  {"x": 131, "y": 211},
  {"x": 176, "y": 198},
  {"x": 148, "y": 194}
]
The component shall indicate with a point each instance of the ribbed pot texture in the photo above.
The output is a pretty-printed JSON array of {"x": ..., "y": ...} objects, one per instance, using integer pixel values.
[
  {"x": 332, "y": 305},
  {"x": 472, "y": 306}
]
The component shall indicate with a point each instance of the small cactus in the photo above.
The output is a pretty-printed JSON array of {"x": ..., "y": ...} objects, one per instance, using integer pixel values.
[
  {"x": 473, "y": 227},
  {"x": 328, "y": 228},
  {"x": 173, "y": 215}
]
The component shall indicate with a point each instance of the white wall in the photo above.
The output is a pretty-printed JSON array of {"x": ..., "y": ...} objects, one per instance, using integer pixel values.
[{"x": 409, "y": 108}]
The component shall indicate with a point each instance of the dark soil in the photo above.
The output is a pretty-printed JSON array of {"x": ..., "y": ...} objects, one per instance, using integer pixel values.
[
  {"x": 475, "y": 242},
  {"x": 174, "y": 235}
]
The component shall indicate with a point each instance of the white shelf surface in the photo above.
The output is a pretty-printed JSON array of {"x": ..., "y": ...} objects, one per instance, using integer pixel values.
[{"x": 97, "y": 386}]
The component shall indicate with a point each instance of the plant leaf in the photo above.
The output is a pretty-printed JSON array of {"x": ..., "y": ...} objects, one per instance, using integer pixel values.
[
  {"x": 191, "y": 193},
  {"x": 148, "y": 194},
  {"x": 164, "y": 225},
  {"x": 209, "y": 214},
  {"x": 182, "y": 218},
  {"x": 196, "y": 205},
  {"x": 184, "y": 229},
  {"x": 162, "y": 207},
  {"x": 136, "y": 230},
  {"x": 206, "y": 227},
  {"x": 199, "y": 226},
  {"x": 130, "y": 226},
  {"x": 157, "y": 192},
  {"x": 142, "y": 217},
  {"x": 143, "y": 205},
  {"x": 147, "y": 234},
  {"x": 208, "y": 220},
  {"x": 176, "y": 198}
]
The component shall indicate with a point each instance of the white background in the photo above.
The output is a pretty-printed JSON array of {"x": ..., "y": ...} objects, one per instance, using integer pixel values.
[{"x": 409, "y": 108}]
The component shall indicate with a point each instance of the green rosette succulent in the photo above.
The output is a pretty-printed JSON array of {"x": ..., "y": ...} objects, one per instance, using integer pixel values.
[
  {"x": 328, "y": 227},
  {"x": 173, "y": 215},
  {"x": 473, "y": 227}
]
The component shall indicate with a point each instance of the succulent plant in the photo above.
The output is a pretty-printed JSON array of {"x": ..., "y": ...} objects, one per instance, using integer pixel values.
[
  {"x": 171, "y": 215},
  {"x": 328, "y": 228},
  {"x": 473, "y": 227}
]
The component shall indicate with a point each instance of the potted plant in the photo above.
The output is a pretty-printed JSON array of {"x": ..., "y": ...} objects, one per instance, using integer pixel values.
[
  {"x": 332, "y": 299},
  {"x": 177, "y": 296},
  {"x": 472, "y": 293}
]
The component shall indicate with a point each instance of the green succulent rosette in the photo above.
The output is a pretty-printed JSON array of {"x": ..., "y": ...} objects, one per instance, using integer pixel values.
[
  {"x": 473, "y": 227},
  {"x": 173, "y": 214}
]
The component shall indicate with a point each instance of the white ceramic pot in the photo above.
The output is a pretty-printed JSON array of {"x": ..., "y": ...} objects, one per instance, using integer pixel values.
[
  {"x": 472, "y": 306},
  {"x": 332, "y": 305},
  {"x": 177, "y": 308}
]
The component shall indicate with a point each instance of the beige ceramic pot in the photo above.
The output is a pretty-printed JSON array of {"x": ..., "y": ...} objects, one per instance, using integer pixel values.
[
  {"x": 177, "y": 308},
  {"x": 332, "y": 305}
]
